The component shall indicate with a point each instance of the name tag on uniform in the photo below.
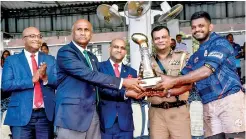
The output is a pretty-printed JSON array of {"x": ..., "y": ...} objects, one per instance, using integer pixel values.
[{"x": 174, "y": 62}]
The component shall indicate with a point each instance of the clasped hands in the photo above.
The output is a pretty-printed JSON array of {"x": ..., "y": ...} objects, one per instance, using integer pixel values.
[
  {"x": 135, "y": 90},
  {"x": 40, "y": 74}
]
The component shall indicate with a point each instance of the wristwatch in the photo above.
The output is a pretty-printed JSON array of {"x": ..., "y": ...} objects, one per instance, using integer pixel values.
[{"x": 168, "y": 94}]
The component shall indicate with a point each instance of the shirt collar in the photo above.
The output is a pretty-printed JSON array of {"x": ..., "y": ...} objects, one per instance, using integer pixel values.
[
  {"x": 212, "y": 36},
  {"x": 28, "y": 54},
  {"x": 81, "y": 49},
  {"x": 112, "y": 63}
]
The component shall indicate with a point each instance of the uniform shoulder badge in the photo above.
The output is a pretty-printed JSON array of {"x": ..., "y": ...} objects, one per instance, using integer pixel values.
[{"x": 178, "y": 51}]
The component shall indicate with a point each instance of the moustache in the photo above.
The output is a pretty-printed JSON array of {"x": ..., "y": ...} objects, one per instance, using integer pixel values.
[
  {"x": 198, "y": 32},
  {"x": 37, "y": 42}
]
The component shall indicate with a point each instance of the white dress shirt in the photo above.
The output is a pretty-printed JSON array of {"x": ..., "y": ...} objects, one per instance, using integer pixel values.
[
  {"x": 181, "y": 47},
  {"x": 119, "y": 67},
  {"x": 29, "y": 60}
]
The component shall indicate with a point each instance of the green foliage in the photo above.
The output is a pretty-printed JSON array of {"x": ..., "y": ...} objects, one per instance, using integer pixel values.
[{"x": 195, "y": 44}]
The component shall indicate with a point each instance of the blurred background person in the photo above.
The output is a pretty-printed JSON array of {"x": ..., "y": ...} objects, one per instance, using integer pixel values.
[
  {"x": 5, "y": 54},
  {"x": 180, "y": 46},
  {"x": 242, "y": 58},
  {"x": 4, "y": 96},
  {"x": 173, "y": 44},
  {"x": 45, "y": 48},
  {"x": 237, "y": 51}
]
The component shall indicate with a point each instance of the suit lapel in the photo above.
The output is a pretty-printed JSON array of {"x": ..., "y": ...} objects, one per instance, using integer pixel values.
[
  {"x": 123, "y": 72},
  {"x": 40, "y": 58},
  {"x": 109, "y": 68},
  {"x": 24, "y": 62},
  {"x": 79, "y": 53}
]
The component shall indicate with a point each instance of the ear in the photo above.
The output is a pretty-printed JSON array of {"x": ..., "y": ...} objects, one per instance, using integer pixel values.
[
  {"x": 109, "y": 48},
  {"x": 41, "y": 42},
  {"x": 211, "y": 27},
  {"x": 24, "y": 40}
]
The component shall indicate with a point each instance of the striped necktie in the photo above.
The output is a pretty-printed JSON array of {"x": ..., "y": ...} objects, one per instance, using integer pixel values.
[{"x": 89, "y": 63}]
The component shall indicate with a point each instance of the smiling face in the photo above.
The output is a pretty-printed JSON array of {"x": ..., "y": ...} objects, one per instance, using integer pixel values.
[
  {"x": 117, "y": 50},
  {"x": 201, "y": 29},
  {"x": 161, "y": 39},
  {"x": 32, "y": 39},
  {"x": 82, "y": 32}
]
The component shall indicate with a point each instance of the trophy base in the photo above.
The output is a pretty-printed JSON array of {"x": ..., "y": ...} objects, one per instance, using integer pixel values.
[{"x": 150, "y": 82}]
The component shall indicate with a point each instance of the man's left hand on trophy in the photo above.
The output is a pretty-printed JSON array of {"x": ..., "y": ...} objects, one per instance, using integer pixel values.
[
  {"x": 150, "y": 92},
  {"x": 166, "y": 82}
]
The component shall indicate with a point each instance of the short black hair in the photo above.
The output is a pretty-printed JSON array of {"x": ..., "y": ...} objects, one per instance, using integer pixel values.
[
  {"x": 45, "y": 45},
  {"x": 173, "y": 39},
  {"x": 227, "y": 36},
  {"x": 157, "y": 28},
  {"x": 178, "y": 35},
  {"x": 200, "y": 14}
]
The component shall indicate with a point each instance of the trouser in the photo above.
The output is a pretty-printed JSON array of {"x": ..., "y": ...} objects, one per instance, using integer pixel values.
[
  {"x": 172, "y": 123},
  {"x": 92, "y": 133},
  {"x": 226, "y": 115}
]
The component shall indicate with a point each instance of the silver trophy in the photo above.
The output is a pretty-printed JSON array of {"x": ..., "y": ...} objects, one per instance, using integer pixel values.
[{"x": 148, "y": 74}]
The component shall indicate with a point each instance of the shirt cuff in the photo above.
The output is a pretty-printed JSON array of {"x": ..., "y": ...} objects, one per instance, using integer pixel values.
[
  {"x": 121, "y": 82},
  {"x": 45, "y": 83},
  {"x": 125, "y": 97}
]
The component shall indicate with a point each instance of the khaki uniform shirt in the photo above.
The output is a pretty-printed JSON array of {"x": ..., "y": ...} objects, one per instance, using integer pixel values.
[{"x": 172, "y": 64}]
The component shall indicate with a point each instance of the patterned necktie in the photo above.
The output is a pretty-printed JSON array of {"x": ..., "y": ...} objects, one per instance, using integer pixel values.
[
  {"x": 87, "y": 58},
  {"x": 89, "y": 63},
  {"x": 116, "y": 70},
  {"x": 38, "y": 97}
]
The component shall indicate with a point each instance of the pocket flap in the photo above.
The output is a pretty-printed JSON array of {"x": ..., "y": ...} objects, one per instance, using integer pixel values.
[
  {"x": 71, "y": 101},
  {"x": 13, "y": 104}
]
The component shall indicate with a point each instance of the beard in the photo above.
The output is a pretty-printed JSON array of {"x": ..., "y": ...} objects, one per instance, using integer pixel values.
[{"x": 202, "y": 37}]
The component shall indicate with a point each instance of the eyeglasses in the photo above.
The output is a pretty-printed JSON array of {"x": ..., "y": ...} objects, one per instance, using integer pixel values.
[{"x": 33, "y": 36}]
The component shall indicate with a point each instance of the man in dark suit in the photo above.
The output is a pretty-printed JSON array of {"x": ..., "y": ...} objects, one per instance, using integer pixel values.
[
  {"x": 78, "y": 77},
  {"x": 115, "y": 112},
  {"x": 31, "y": 109}
]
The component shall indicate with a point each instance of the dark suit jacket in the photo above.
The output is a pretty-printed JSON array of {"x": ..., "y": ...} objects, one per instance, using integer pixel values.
[
  {"x": 76, "y": 92},
  {"x": 17, "y": 79},
  {"x": 112, "y": 102}
]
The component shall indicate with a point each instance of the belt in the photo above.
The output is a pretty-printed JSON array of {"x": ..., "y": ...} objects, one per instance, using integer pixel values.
[
  {"x": 38, "y": 109},
  {"x": 167, "y": 105}
]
